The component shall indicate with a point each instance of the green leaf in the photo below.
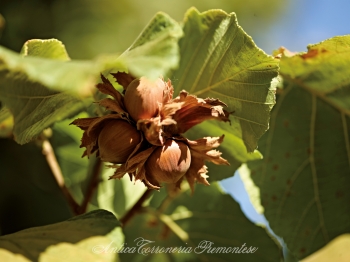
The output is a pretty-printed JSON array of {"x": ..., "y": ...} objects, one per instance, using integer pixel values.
[
  {"x": 336, "y": 250},
  {"x": 156, "y": 50},
  {"x": 117, "y": 195},
  {"x": 77, "y": 239},
  {"x": 41, "y": 89},
  {"x": 23, "y": 89},
  {"x": 8, "y": 256},
  {"x": 66, "y": 141},
  {"x": 6, "y": 122},
  {"x": 252, "y": 190},
  {"x": 51, "y": 48},
  {"x": 76, "y": 77},
  {"x": 188, "y": 221},
  {"x": 219, "y": 60},
  {"x": 305, "y": 175}
]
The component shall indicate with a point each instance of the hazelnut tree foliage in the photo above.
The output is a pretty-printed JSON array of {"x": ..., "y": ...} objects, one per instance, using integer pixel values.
[{"x": 301, "y": 171}]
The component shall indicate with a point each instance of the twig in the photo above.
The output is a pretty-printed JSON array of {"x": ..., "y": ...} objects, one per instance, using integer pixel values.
[
  {"x": 136, "y": 208},
  {"x": 57, "y": 173},
  {"x": 93, "y": 183},
  {"x": 170, "y": 223}
]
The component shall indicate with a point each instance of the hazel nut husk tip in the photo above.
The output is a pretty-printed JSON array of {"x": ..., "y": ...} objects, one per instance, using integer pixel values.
[{"x": 140, "y": 133}]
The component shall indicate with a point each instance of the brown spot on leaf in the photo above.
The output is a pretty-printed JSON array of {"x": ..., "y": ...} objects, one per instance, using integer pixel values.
[
  {"x": 289, "y": 182},
  {"x": 302, "y": 250},
  {"x": 274, "y": 198},
  {"x": 288, "y": 193},
  {"x": 287, "y": 155},
  {"x": 339, "y": 194},
  {"x": 307, "y": 232},
  {"x": 286, "y": 123},
  {"x": 152, "y": 222},
  {"x": 165, "y": 232},
  {"x": 253, "y": 172},
  {"x": 275, "y": 167},
  {"x": 273, "y": 178},
  {"x": 309, "y": 151},
  {"x": 312, "y": 53}
]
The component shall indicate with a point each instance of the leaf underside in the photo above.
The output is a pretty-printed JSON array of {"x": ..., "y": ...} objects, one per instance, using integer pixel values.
[
  {"x": 62, "y": 241},
  {"x": 305, "y": 175},
  {"x": 219, "y": 60},
  {"x": 208, "y": 215},
  {"x": 44, "y": 87}
]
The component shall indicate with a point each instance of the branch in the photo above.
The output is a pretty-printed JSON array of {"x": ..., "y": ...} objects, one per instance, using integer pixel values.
[
  {"x": 57, "y": 173},
  {"x": 93, "y": 183},
  {"x": 136, "y": 208}
]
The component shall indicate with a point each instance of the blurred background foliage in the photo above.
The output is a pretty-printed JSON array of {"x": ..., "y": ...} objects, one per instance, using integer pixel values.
[
  {"x": 87, "y": 28},
  {"x": 91, "y": 27}
]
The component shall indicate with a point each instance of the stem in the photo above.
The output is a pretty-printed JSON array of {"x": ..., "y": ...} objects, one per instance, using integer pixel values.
[
  {"x": 93, "y": 183},
  {"x": 173, "y": 226},
  {"x": 57, "y": 173},
  {"x": 136, "y": 208}
]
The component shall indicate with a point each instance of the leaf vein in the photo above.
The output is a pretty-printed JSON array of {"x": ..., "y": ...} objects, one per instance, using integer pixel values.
[
  {"x": 272, "y": 130},
  {"x": 293, "y": 178},
  {"x": 199, "y": 92},
  {"x": 313, "y": 167},
  {"x": 189, "y": 64},
  {"x": 346, "y": 136},
  {"x": 243, "y": 100},
  {"x": 223, "y": 55},
  {"x": 208, "y": 58},
  {"x": 302, "y": 218}
]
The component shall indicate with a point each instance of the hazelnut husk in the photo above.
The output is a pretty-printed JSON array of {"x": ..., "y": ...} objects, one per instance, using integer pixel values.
[{"x": 141, "y": 132}]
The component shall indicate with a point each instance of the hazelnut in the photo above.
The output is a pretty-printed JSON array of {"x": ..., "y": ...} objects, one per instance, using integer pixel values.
[
  {"x": 142, "y": 97},
  {"x": 168, "y": 163},
  {"x": 117, "y": 140}
]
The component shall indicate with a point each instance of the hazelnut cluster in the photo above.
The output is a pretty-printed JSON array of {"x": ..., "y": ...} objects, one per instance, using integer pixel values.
[{"x": 141, "y": 132}]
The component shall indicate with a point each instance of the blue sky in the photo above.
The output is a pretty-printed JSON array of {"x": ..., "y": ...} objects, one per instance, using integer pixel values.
[{"x": 306, "y": 22}]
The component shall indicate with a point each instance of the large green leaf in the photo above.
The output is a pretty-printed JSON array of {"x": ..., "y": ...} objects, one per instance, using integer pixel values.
[
  {"x": 24, "y": 83},
  {"x": 219, "y": 60},
  {"x": 208, "y": 218},
  {"x": 78, "y": 239},
  {"x": 305, "y": 175},
  {"x": 156, "y": 50},
  {"x": 43, "y": 87}
]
